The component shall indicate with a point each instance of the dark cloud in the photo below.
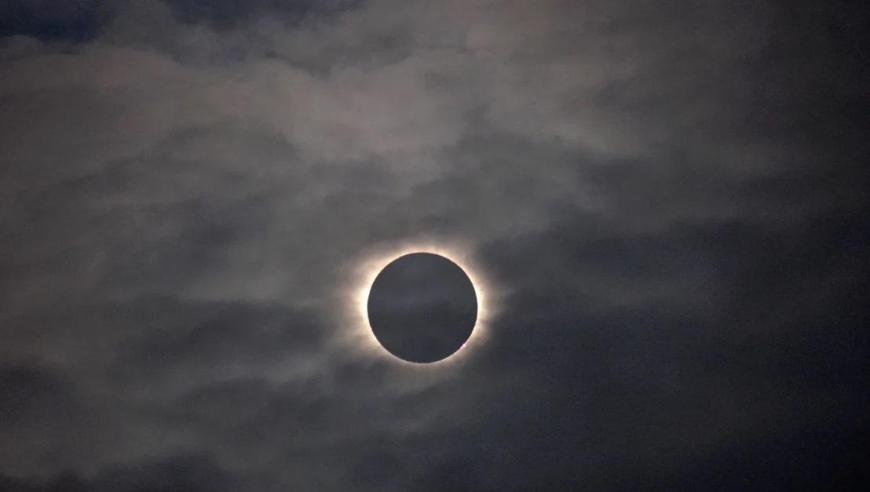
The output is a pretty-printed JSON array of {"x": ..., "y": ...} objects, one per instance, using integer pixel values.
[
  {"x": 29, "y": 391},
  {"x": 186, "y": 472},
  {"x": 190, "y": 472},
  {"x": 223, "y": 14},
  {"x": 41, "y": 410},
  {"x": 666, "y": 203},
  {"x": 659, "y": 382},
  {"x": 168, "y": 339},
  {"x": 54, "y": 20},
  {"x": 801, "y": 460}
]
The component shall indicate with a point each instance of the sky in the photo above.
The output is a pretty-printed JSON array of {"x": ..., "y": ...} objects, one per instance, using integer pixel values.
[{"x": 662, "y": 205}]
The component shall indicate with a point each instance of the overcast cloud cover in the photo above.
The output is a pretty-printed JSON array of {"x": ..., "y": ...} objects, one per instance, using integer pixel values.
[{"x": 667, "y": 200}]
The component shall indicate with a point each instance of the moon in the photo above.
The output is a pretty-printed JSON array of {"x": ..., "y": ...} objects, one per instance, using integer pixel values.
[{"x": 422, "y": 307}]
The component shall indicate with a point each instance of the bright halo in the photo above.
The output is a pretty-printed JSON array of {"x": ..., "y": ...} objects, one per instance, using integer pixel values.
[{"x": 369, "y": 267}]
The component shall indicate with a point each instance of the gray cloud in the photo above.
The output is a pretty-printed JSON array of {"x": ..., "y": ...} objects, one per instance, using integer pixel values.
[
  {"x": 224, "y": 14},
  {"x": 667, "y": 201},
  {"x": 56, "y": 20}
]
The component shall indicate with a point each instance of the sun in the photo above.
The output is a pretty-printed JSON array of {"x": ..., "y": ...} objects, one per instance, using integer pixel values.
[{"x": 360, "y": 335}]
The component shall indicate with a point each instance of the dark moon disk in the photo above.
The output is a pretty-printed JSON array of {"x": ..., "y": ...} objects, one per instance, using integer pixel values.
[{"x": 422, "y": 307}]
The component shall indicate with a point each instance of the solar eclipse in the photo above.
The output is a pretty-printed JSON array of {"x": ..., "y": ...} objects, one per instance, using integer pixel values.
[
  {"x": 422, "y": 308},
  {"x": 449, "y": 284}
]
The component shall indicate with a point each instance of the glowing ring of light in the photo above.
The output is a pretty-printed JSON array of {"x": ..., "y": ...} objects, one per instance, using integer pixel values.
[{"x": 371, "y": 266}]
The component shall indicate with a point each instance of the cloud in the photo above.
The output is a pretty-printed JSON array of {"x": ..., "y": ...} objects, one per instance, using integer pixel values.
[
  {"x": 183, "y": 472},
  {"x": 666, "y": 199},
  {"x": 223, "y": 14},
  {"x": 42, "y": 412},
  {"x": 54, "y": 20}
]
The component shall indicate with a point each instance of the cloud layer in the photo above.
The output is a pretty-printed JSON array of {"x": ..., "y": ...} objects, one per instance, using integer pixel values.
[{"x": 666, "y": 199}]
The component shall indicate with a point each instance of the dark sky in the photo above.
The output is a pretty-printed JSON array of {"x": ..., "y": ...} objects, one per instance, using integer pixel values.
[{"x": 665, "y": 201}]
